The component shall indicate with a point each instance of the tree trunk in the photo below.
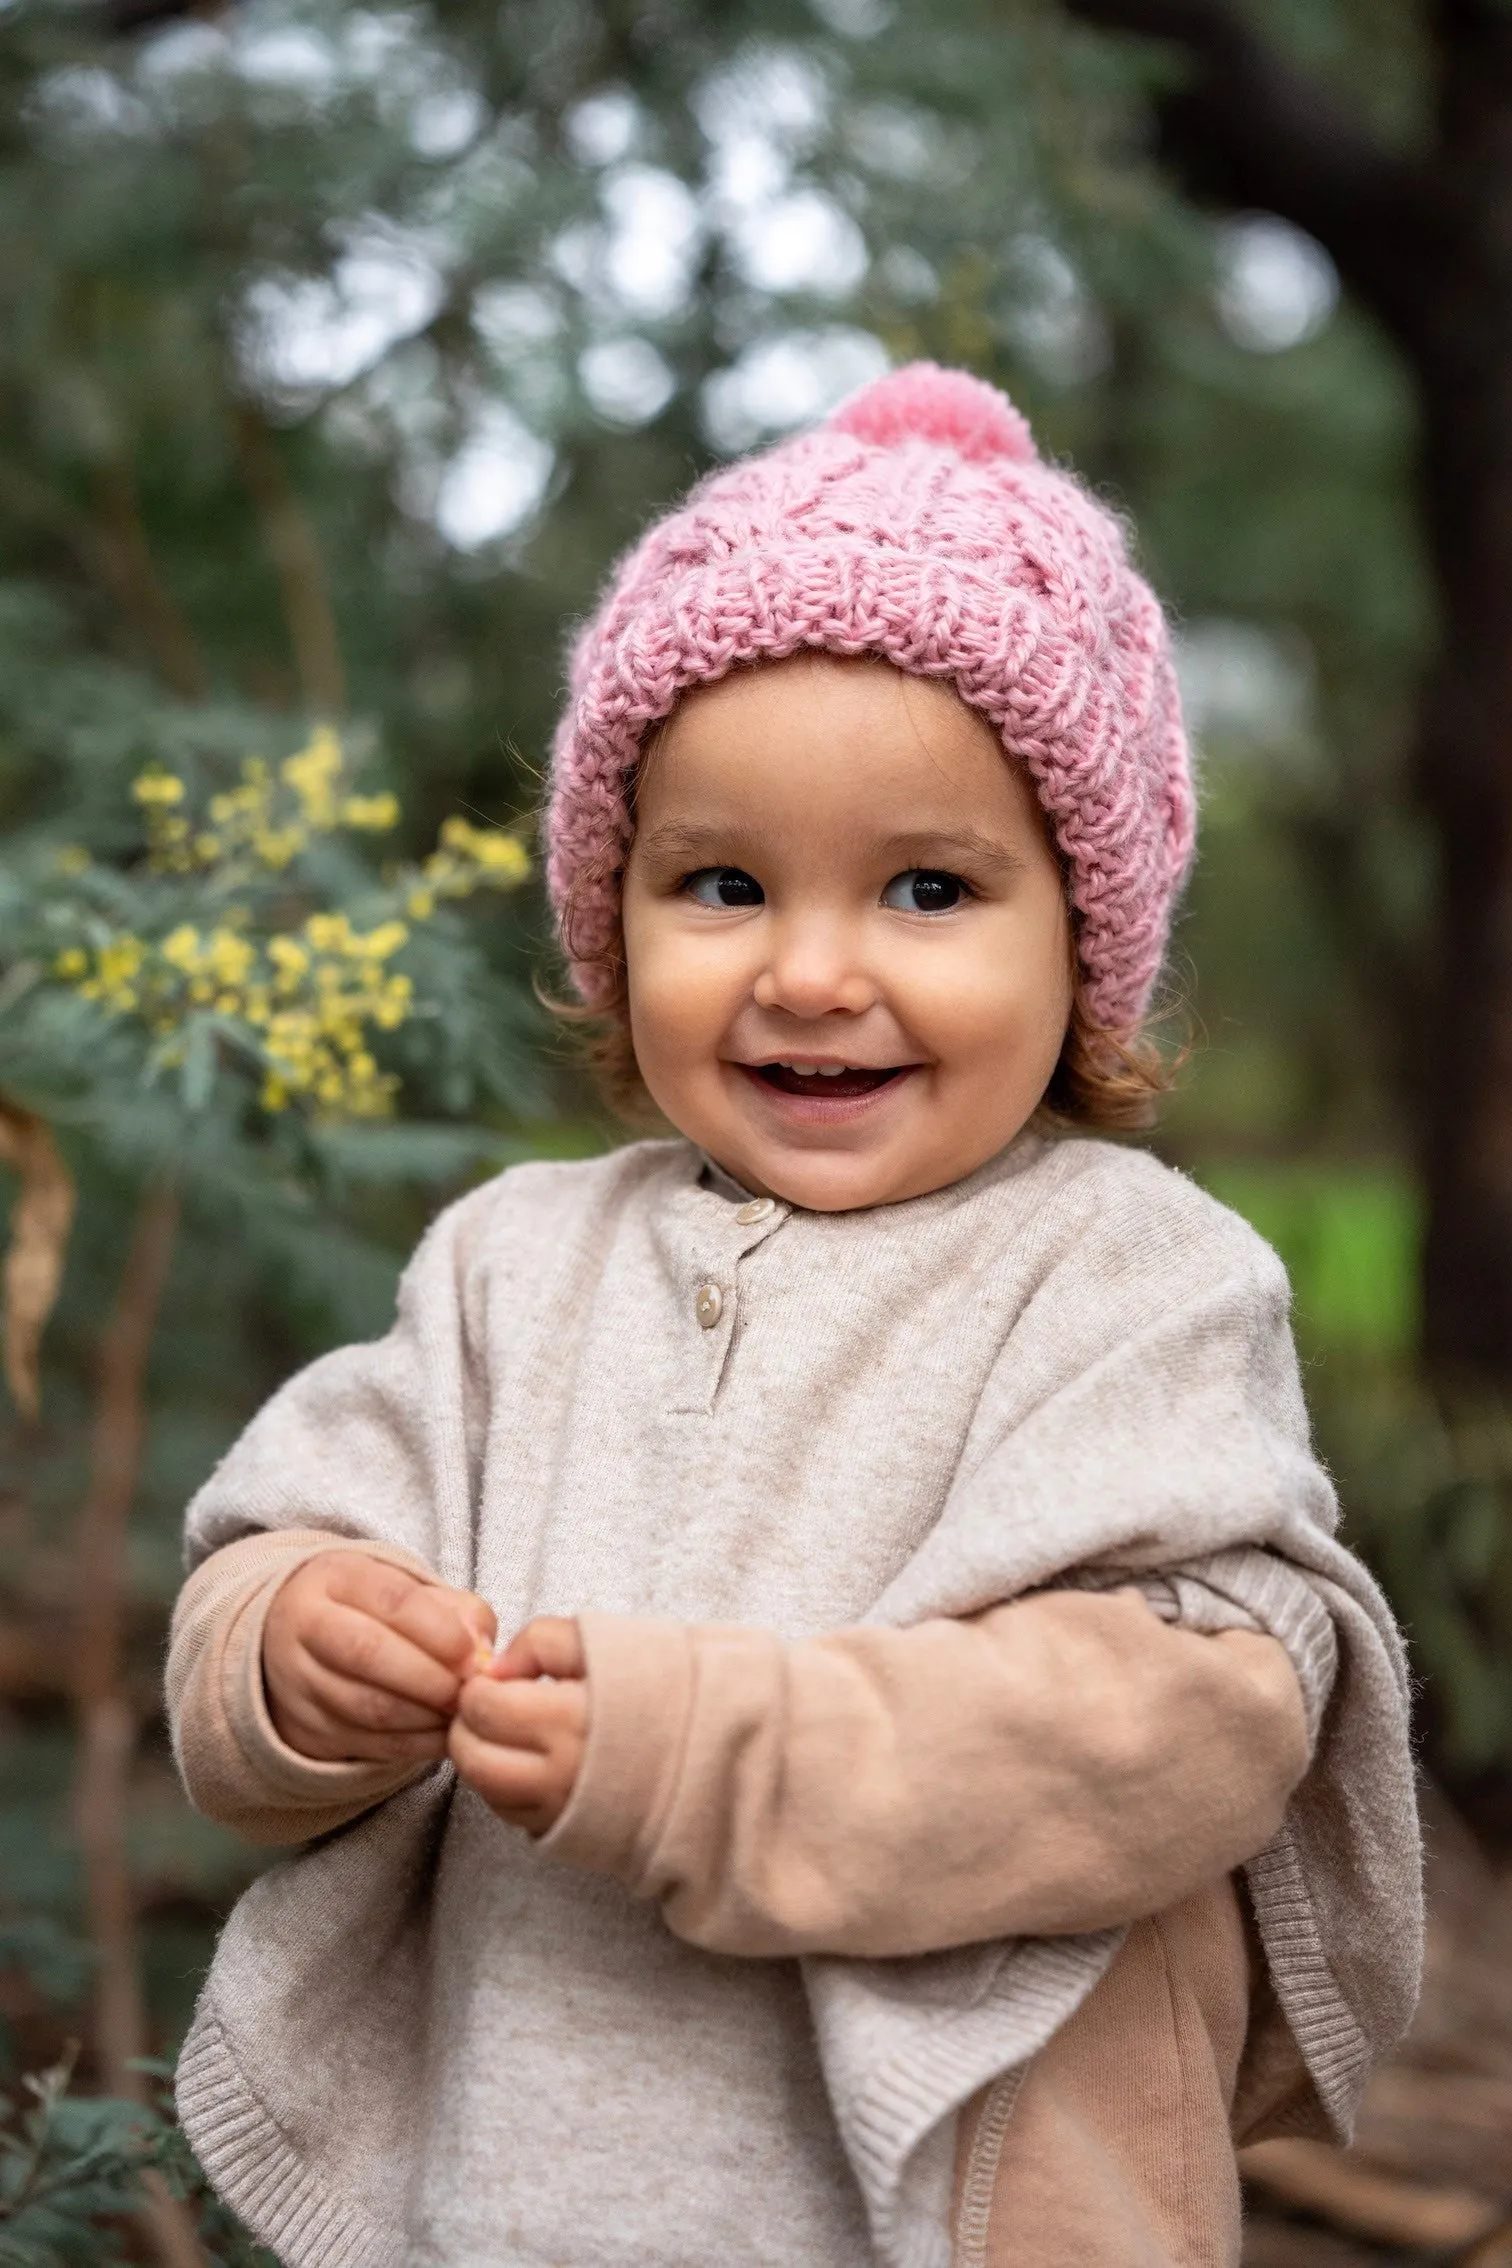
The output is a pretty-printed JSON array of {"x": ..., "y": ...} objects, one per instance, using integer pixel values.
[
  {"x": 1464, "y": 782},
  {"x": 1461, "y": 350},
  {"x": 1424, "y": 241},
  {"x": 107, "y": 1723}
]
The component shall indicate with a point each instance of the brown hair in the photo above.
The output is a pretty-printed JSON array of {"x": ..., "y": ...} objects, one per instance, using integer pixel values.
[{"x": 1105, "y": 1082}]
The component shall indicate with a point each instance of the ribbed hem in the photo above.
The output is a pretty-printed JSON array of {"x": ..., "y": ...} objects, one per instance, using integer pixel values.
[
  {"x": 1280, "y": 1600},
  {"x": 1243, "y": 1589},
  {"x": 947, "y": 2055},
  {"x": 254, "y": 2167},
  {"x": 1335, "y": 2050}
]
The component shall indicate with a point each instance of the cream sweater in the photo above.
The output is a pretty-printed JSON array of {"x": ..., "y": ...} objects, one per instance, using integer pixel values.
[{"x": 1072, "y": 1367}]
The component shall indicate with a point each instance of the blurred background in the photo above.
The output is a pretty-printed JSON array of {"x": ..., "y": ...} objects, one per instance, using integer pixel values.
[{"x": 341, "y": 348}]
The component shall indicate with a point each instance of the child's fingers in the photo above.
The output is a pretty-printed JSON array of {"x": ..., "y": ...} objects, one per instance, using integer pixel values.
[
  {"x": 480, "y": 1619},
  {"x": 366, "y": 1707},
  {"x": 506, "y": 1777},
  {"x": 525, "y": 1786},
  {"x": 549, "y": 1646},
  {"x": 313, "y": 1727},
  {"x": 357, "y": 1579},
  {"x": 451, "y": 1626},
  {"x": 446, "y": 1623},
  {"x": 347, "y": 1644},
  {"x": 524, "y": 1715},
  {"x": 518, "y": 1742}
]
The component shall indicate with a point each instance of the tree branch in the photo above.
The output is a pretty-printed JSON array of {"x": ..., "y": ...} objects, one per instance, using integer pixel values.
[
  {"x": 295, "y": 554},
  {"x": 1246, "y": 129},
  {"x": 127, "y": 565},
  {"x": 107, "y": 1721},
  {"x": 125, "y": 16},
  {"x": 114, "y": 553}
]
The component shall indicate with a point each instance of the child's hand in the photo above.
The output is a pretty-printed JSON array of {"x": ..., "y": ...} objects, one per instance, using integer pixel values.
[
  {"x": 522, "y": 1723},
  {"x": 362, "y": 1663}
]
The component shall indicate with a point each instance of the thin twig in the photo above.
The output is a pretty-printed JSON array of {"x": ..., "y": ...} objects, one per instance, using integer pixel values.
[
  {"x": 127, "y": 563},
  {"x": 107, "y": 1724},
  {"x": 114, "y": 553},
  {"x": 49, "y": 2088}
]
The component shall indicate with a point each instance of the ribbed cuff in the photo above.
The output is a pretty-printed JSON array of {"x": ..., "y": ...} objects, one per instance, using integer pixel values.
[
  {"x": 1247, "y": 1586},
  {"x": 640, "y": 1695}
]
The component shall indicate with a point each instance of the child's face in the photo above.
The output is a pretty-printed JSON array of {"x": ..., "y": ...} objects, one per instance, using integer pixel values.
[{"x": 836, "y": 870}]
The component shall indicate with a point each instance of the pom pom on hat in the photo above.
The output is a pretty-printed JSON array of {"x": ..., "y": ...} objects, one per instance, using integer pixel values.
[{"x": 922, "y": 402}]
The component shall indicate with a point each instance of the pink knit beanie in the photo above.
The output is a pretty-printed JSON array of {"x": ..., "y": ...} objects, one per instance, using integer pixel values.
[{"x": 917, "y": 523}]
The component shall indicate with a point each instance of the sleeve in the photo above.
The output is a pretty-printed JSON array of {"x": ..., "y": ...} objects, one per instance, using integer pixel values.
[
  {"x": 233, "y": 1763},
  {"x": 1058, "y": 1764},
  {"x": 375, "y": 1447}
]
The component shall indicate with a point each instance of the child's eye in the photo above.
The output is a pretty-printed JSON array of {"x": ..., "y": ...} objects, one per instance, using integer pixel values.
[
  {"x": 725, "y": 886},
  {"x": 923, "y": 889}
]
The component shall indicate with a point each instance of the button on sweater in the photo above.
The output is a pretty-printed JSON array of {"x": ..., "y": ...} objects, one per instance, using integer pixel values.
[{"x": 681, "y": 2030}]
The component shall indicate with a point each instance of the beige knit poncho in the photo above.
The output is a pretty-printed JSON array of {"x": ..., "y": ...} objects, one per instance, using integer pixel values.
[{"x": 424, "y": 2041}]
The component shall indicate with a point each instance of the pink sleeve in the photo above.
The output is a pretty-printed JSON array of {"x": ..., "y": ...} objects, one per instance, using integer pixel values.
[{"x": 1058, "y": 1764}]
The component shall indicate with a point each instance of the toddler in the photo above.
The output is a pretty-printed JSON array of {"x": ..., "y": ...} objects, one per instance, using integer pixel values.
[{"x": 944, "y": 1783}]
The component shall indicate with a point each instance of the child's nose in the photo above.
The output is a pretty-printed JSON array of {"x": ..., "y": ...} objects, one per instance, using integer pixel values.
[{"x": 815, "y": 969}]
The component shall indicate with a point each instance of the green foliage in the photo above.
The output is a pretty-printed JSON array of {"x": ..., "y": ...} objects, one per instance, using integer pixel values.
[
  {"x": 71, "y": 2165},
  {"x": 251, "y": 947},
  {"x": 71, "y": 2171},
  {"x": 1427, "y": 1496},
  {"x": 1426, "y": 1490},
  {"x": 1349, "y": 1237},
  {"x": 340, "y": 349},
  {"x": 65, "y": 2165}
]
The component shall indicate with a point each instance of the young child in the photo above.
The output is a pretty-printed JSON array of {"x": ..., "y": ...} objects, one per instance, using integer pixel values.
[{"x": 944, "y": 1782}]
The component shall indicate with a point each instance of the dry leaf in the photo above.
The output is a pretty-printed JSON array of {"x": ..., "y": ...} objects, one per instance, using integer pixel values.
[{"x": 40, "y": 1221}]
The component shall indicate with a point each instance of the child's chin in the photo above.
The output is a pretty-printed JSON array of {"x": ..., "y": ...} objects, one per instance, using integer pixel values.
[{"x": 830, "y": 1181}]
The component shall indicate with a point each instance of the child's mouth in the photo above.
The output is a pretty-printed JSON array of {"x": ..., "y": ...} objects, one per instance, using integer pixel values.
[{"x": 828, "y": 1086}]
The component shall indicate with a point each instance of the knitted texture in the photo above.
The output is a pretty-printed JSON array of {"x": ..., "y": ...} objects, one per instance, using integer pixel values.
[{"x": 919, "y": 524}]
